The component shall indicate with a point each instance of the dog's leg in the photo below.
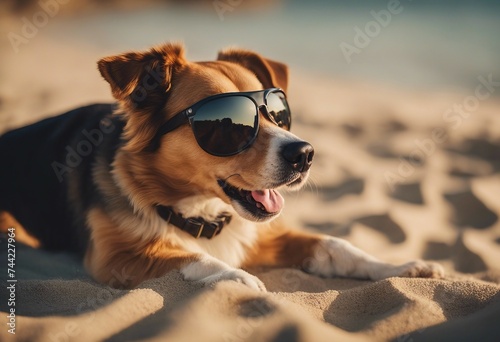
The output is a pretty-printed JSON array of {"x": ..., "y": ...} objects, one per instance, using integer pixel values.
[
  {"x": 22, "y": 235},
  {"x": 120, "y": 260},
  {"x": 329, "y": 257},
  {"x": 127, "y": 269},
  {"x": 210, "y": 270},
  {"x": 336, "y": 257}
]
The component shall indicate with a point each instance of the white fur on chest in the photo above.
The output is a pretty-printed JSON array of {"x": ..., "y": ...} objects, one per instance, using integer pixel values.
[{"x": 230, "y": 246}]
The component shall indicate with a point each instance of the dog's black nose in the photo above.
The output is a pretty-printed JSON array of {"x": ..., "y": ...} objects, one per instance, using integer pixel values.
[{"x": 299, "y": 155}]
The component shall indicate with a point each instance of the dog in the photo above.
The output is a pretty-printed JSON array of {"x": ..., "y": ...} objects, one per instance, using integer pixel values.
[{"x": 182, "y": 173}]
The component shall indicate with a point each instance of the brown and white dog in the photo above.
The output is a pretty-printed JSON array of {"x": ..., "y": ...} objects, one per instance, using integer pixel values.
[{"x": 91, "y": 181}]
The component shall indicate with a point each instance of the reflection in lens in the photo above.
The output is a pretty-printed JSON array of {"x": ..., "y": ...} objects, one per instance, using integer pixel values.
[
  {"x": 226, "y": 126},
  {"x": 277, "y": 107}
]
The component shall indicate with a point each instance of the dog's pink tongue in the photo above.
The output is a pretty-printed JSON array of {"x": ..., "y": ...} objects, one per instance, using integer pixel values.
[{"x": 270, "y": 199}]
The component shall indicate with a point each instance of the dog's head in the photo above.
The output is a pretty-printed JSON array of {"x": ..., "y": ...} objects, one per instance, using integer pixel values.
[{"x": 153, "y": 86}]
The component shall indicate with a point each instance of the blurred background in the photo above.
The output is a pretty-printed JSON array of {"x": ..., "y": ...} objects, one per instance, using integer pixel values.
[
  {"x": 421, "y": 44},
  {"x": 399, "y": 98}
]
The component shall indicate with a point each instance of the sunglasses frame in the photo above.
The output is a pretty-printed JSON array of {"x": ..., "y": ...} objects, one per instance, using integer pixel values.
[{"x": 258, "y": 96}]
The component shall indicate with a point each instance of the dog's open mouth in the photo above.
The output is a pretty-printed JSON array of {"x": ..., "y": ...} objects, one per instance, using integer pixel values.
[{"x": 261, "y": 204}]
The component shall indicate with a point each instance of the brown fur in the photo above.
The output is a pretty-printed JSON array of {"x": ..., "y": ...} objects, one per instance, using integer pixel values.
[
  {"x": 278, "y": 246},
  {"x": 113, "y": 253},
  {"x": 21, "y": 235}
]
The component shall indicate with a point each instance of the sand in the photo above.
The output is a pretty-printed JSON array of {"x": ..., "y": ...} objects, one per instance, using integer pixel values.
[{"x": 391, "y": 175}]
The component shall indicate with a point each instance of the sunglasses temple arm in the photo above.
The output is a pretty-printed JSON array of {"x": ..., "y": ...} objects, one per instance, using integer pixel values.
[
  {"x": 178, "y": 120},
  {"x": 175, "y": 122}
]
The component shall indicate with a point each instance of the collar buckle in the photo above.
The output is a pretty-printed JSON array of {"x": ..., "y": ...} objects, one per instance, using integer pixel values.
[
  {"x": 217, "y": 227},
  {"x": 193, "y": 222},
  {"x": 195, "y": 226}
]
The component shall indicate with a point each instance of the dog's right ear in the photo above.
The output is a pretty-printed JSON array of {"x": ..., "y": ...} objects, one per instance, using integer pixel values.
[
  {"x": 142, "y": 78},
  {"x": 270, "y": 73}
]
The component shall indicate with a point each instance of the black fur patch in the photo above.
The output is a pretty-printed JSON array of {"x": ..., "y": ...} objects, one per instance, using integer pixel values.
[{"x": 41, "y": 161}]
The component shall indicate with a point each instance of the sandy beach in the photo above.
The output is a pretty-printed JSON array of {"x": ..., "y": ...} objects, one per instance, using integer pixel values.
[{"x": 402, "y": 172}]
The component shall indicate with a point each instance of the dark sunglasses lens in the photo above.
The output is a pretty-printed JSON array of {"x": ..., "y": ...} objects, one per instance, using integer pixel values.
[
  {"x": 277, "y": 106},
  {"x": 226, "y": 125}
]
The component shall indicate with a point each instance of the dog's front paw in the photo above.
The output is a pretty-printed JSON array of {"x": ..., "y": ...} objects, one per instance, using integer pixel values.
[
  {"x": 421, "y": 269},
  {"x": 237, "y": 275}
]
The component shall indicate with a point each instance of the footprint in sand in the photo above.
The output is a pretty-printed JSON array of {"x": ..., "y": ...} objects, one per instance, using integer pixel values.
[
  {"x": 381, "y": 223},
  {"x": 464, "y": 260},
  {"x": 408, "y": 192},
  {"x": 468, "y": 166},
  {"x": 458, "y": 172},
  {"x": 353, "y": 130},
  {"x": 385, "y": 225},
  {"x": 435, "y": 250},
  {"x": 330, "y": 228},
  {"x": 351, "y": 186},
  {"x": 257, "y": 307},
  {"x": 383, "y": 150},
  {"x": 287, "y": 333},
  {"x": 469, "y": 211},
  {"x": 393, "y": 126},
  {"x": 479, "y": 148}
]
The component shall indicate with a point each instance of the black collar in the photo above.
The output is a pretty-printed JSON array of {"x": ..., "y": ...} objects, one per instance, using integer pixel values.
[{"x": 195, "y": 226}]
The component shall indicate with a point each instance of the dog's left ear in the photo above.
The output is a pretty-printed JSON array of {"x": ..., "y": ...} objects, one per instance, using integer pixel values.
[
  {"x": 142, "y": 79},
  {"x": 270, "y": 73},
  {"x": 141, "y": 82}
]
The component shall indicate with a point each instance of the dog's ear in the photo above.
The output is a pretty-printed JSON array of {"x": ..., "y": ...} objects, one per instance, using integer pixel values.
[
  {"x": 141, "y": 82},
  {"x": 270, "y": 73},
  {"x": 142, "y": 78}
]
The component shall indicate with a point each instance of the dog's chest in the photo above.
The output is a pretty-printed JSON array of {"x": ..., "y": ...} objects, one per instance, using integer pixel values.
[{"x": 231, "y": 245}]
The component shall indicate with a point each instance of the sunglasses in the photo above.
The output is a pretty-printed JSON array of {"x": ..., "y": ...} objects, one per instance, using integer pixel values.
[{"x": 227, "y": 124}]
